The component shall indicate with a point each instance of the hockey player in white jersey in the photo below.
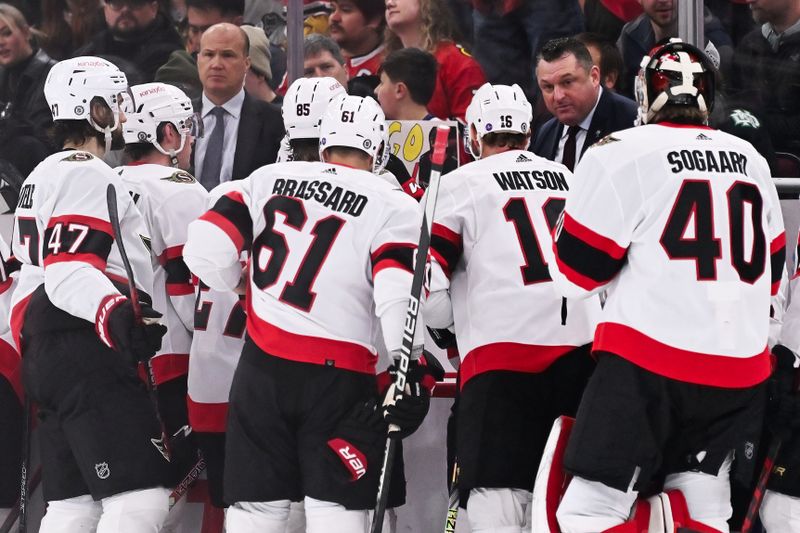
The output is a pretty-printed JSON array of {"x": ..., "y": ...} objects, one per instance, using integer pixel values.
[
  {"x": 682, "y": 224},
  {"x": 524, "y": 350},
  {"x": 102, "y": 463},
  {"x": 331, "y": 251},
  {"x": 159, "y": 132},
  {"x": 11, "y": 399},
  {"x": 306, "y": 101}
]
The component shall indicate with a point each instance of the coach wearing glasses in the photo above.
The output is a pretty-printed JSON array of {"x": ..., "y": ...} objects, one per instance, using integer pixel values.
[{"x": 137, "y": 32}]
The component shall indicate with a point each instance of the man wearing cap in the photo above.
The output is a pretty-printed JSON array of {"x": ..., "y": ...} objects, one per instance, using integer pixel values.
[{"x": 259, "y": 75}]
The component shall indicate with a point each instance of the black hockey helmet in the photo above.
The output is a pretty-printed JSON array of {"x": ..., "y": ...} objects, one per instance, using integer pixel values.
[{"x": 677, "y": 73}]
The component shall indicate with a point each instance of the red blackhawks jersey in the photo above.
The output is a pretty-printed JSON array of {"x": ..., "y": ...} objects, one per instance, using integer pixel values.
[
  {"x": 168, "y": 199},
  {"x": 683, "y": 226},
  {"x": 10, "y": 362},
  {"x": 491, "y": 244},
  {"x": 366, "y": 65},
  {"x": 457, "y": 79},
  {"x": 63, "y": 239},
  {"x": 331, "y": 251},
  {"x": 219, "y": 327}
]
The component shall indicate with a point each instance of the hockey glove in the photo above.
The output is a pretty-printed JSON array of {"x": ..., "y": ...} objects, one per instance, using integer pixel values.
[
  {"x": 118, "y": 329},
  {"x": 358, "y": 441},
  {"x": 783, "y": 407},
  {"x": 444, "y": 338},
  {"x": 408, "y": 411}
]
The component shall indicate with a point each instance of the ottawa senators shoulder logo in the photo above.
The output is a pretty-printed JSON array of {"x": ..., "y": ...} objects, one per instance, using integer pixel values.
[
  {"x": 180, "y": 176},
  {"x": 608, "y": 139},
  {"x": 79, "y": 156}
]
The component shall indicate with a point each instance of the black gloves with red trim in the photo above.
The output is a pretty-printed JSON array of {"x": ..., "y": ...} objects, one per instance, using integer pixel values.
[
  {"x": 405, "y": 412},
  {"x": 119, "y": 330},
  {"x": 358, "y": 442},
  {"x": 783, "y": 406}
]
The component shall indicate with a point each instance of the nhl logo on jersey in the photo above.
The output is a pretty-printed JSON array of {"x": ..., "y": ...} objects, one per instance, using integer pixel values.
[
  {"x": 749, "y": 447},
  {"x": 180, "y": 176},
  {"x": 79, "y": 156},
  {"x": 102, "y": 470}
]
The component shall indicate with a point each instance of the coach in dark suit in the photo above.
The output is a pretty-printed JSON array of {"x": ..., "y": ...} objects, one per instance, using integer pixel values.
[
  {"x": 241, "y": 133},
  {"x": 583, "y": 113}
]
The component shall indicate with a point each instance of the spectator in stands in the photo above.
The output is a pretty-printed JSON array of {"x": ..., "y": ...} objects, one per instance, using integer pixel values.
[
  {"x": 509, "y": 33},
  {"x": 408, "y": 79},
  {"x": 607, "y": 17},
  {"x": 605, "y": 55},
  {"x": 322, "y": 57},
  {"x": 259, "y": 75},
  {"x": 357, "y": 26},
  {"x": 766, "y": 71},
  {"x": 583, "y": 112},
  {"x": 428, "y": 24},
  {"x": 23, "y": 69},
  {"x": 137, "y": 32},
  {"x": 69, "y": 24},
  {"x": 181, "y": 67},
  {"x": 241, "y": 132},
  {"x": 657, "y": 23}
]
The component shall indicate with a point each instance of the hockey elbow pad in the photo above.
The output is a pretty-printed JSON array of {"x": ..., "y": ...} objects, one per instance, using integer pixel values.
[{"x": 357, "y": 442}]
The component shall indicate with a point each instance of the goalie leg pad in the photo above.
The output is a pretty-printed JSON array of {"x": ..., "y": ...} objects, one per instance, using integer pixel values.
[
  {"x": 499, "y": 510},
  {"x": 136, "y": 511},
  {"x": 707, "y": 497},
  {"x": 780, "y": 512},
  {"x": 329, "y": 517},
  {"x": 258, "y": 517},
  {"x": 590, "y": 506},
  {"x": 72, "y": 515}
]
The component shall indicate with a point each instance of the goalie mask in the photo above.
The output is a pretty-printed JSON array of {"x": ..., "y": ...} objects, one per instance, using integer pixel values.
[
  {"x": 304, "y": 104},
  {"x": 152, "y": 104},
  {"x": 497, "y": 109},
  {"x": 355, "y": 122},
  {"x": 676, "y": 73},
  {"x": 72, "y": 84}
]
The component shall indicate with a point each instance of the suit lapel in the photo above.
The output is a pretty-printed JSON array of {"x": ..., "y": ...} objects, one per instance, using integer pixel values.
[
  {"x": 247, "y": 138},
  {"x": 600, "y": 122}
]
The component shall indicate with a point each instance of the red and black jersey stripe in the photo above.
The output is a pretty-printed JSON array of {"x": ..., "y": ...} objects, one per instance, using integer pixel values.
[
  {"x": 777, "y": 256},
  {"x": 393, "y": 255},
  {"x": 77, "y": 238},
  {"x": 232, "y": 216},
  {"x": 179, "y": 277},
  {"x": 446, "y": 247},
  {"x": 586, "y": 258}
]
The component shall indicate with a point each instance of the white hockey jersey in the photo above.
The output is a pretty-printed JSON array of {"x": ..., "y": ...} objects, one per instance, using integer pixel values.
[
  {"x": 63, "y": 239},
  {"x": 684, "y": 227},
  {"x": 491, "y": 244},
  {"x": 10, "y": 362},
  {"x": 219, "y": 327},
  {"x": 168, "y": 199},
  {"x": 331, "y": 252}
]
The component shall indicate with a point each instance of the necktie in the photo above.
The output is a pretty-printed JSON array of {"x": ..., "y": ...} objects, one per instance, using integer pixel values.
[
  {"x": 568, "y": 157},
  {"x": 212, "y": 164}
]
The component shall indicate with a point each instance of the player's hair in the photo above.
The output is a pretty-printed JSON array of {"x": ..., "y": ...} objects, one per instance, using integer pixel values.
[
  {"x": 315, "y": 44},
  {"x": 514, "y": 141},
  {"x": 680, "y": 114},
  {"x": 416, "y": 69},
  {"x": 305, "y": 149},
  {"x": 77, "y": 132},
  {"x": 557, "y": 48},
  {"x": 436, "y": 24},
  {"x": 347, "y": 151},
  {"x": 230, "y": 8},
  {"x": 137, "y": 151},
  {"x": 610, "y": 57}
]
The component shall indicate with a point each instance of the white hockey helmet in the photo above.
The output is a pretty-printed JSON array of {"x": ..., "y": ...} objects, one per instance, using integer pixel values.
[
  {"x": 497, "y": 109},
  {"x": 304, "y": 104},
  {"x": 152, "y": 104},
  {"x": 73, "y": 83},
  {"x": 355, "y": 122}
]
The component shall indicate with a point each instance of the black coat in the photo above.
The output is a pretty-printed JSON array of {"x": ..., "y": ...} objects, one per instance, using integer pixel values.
[
  {"x": 613, "y": 113},
  {"x": 23, "y": 87},
  {"x": 147, "y": 52},
  {"x": 258, "y": 137}
]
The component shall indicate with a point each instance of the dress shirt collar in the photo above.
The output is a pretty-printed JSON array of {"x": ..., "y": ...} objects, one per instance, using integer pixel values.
[{"x": 232, "y": 106}]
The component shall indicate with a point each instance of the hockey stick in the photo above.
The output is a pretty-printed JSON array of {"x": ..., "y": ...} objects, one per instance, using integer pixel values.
[
  {"x": 27, "y": 424},
  {"x": 183, "y": 487},
  {"x": 13, "y": 515},
  {"x": 452, "y": 502},
  {"x": 437, "y": 160},
  {"x": 113, "y": 215}
]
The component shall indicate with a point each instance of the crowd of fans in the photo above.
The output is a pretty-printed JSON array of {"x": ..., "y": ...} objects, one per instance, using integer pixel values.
[{"x": 753, "y": 44}]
